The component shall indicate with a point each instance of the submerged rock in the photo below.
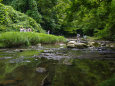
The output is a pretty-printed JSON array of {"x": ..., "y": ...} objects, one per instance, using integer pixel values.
[
  {"x": 40, "y": 70},
  {"x": 5, "y": 58}
]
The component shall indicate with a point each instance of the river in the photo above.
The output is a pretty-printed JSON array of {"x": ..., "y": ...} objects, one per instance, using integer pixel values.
[{"x": 52, "y": 65}]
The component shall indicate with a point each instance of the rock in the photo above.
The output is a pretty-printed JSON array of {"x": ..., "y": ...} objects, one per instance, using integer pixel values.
[
  {"x": 67, "y": 62},
  {"x": 107, "y": 45},
  {"x": 48, "y": 51},
  {"x": 71, "y": 44},
  {"x": 80, "y": 45},
  {"x": 39, "y": 45},
  {"x": 62, "y": 45},
  {"x": 112, "y": 45},
  {"x": 21, "y": 50},
  {"x": 103, "y": 44},
  {"x": 40, "y": 70},
  {"x": 2, "y": 58},
  {"x": 94, "y": 44}
]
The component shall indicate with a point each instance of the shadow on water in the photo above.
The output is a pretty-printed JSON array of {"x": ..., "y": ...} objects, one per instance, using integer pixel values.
[{"x": 50, "y": 65}]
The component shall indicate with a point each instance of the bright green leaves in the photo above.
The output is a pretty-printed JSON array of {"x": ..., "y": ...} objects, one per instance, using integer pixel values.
[
  {"x": 1, "y": 0},
  {"x": 11, "y": 20},
  {"x": 2, "y": 14},
  {"x": 69, "y": 16}
]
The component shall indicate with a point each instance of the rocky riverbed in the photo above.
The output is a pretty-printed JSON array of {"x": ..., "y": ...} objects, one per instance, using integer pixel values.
[{"x": 56, "y": 65}]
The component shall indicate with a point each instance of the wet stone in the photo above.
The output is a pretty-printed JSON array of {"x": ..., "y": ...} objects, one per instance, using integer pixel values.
[
  {"x": 5, "y": 58},
  {"x": 40, "y": 70}
]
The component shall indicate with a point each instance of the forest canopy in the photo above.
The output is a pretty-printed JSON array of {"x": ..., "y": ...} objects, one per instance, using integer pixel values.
[{"x": 69, "y": 17}]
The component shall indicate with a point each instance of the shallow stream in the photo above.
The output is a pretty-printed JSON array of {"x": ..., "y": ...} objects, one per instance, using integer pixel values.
[{"x": 52, "y": 65}]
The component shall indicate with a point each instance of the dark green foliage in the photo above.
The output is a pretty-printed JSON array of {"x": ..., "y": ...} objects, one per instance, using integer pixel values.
[
  {"x": 110, "y": 82},
  {"x": 27, "y": 6},
  {"x": 69, "y": 17}
]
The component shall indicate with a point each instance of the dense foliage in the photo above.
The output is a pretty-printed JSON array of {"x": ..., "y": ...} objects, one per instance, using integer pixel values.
[
  {"x": 11, "y": 20},
  {"x": 69, "y": 17},
  {"x": 17, "y": 39}
]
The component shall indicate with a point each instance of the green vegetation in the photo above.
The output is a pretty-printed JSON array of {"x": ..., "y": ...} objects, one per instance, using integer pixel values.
[
  {"x": 11, "y": 20},
  {"x": 17, "y": 39},
  {"x": 69, "y": 17},
  {"x": 110, "y": 82}
]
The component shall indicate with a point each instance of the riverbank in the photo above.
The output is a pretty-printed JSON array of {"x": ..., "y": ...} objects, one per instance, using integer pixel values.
[{"x": 18, "y": 39}]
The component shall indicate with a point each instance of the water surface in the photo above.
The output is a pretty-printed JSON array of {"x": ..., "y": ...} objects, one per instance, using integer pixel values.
[{"x": 64, "y": 67}]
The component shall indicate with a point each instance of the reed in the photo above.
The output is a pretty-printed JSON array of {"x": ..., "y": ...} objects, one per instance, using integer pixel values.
[{"x": 17, "y": 39}]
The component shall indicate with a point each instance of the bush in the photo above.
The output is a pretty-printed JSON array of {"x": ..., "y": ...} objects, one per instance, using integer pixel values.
[
  {"x": 17, "y": 39},
  {"x": 45, "y": 38},
  {"x": 12, "y": 20},
  {"x": 13, "y": 39}
]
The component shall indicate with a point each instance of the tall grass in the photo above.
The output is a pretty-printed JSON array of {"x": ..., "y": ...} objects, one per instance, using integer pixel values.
[{"x": 17, "y": 39}]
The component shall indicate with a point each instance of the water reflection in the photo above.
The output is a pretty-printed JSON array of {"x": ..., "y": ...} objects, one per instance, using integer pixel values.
[{"x": 66, "y": 67}]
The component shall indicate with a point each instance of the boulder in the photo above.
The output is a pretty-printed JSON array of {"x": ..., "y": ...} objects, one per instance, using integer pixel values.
[
  {"x": 80, "y": 45},
  {"x": 40, "y": 70},
  {"x": 62, "y": 45},
  {"x": 71, "y": 44},
  {"x": 94, "y": 44},
  {"x": 112, "y": 45}
]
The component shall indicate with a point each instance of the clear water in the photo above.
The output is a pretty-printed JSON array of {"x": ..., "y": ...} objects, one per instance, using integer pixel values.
[{"x": 64, "y": 67}]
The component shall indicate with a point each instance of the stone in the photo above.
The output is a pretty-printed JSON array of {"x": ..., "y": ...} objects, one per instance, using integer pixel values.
[
  {"x": 112, "y": 45},
  {"x": 21, "y": 50},
  {"x": 80, "y": 45},
  {"x": 94, "y": 44},
  {"x": 40, "y": 70},
  {"x": 71, "y": 44}
]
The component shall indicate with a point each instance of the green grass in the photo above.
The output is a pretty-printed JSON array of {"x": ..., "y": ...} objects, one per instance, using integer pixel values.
[{"x": 17, "y": 39}]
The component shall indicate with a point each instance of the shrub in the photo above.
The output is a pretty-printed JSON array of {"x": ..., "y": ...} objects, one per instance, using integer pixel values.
[
  {"x": 17, "y": 39},
  {"x": 12, "y": 20},
  {"x": 13, "y": 39}
]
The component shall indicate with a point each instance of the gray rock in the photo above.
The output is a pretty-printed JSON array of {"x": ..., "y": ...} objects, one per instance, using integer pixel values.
[
  {"x": 40, "y": 70},
  {"x": 80, "y": 45},
  {"x": 71, "y": 44},
  {"x": 94, "y": 44}
]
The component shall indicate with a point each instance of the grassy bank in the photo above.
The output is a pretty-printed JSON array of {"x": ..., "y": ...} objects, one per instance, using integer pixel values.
[{"x": 17, "y": 39}]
